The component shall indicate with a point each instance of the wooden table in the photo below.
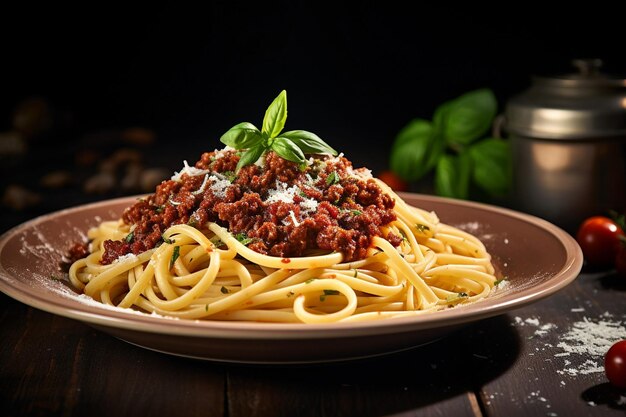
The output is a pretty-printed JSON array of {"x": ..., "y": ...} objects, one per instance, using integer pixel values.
[{"x": 503, "y": 366}]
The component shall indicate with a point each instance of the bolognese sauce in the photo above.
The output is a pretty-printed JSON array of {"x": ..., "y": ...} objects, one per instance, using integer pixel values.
[{"x": 276, "y": 207}]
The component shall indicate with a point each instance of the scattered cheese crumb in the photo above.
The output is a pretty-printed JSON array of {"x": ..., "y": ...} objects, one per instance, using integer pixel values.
[{"x": 534, "y": 322}]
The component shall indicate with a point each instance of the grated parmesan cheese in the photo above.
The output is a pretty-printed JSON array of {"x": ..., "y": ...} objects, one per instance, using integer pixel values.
[
  {"x": 360, "y": 173},
  {"x": 220, "y": 153},
  {"x": 219, "y": 186},
  {"x": 202, "y": 187},
  {"x": 585, "y": 343},
  {"x": 308, "y": 205},
  {"x": 287, "y": 195},
  {"x": 592, "y": 338},
  {"x": 191, "y": 171},
  {"x": 293, "y": 218},
  {"x": 282, "y": 193},
  {"x": 128, "y": 257}
]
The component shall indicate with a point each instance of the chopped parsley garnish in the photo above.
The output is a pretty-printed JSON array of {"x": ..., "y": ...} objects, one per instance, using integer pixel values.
[
  {"x": 129, "y": 237},
  {"x": 216, "y": 241},
  {"x": 333, "y": 178},
  {"x": 224, "y": 290},
  {"x": 498, "y": 282},
  {"x": 356, "y": 212},
  {"x": 356, "y": 272},
  {"x": 175, "y": 256},
  {"x": 328, "y": 292},
  {"x": 422, "y": 228},
  {"x": 290, "y": 294},
  {"x": 167, "y": 240},
  {"x": 456, "y": 297},
  {"x": 243, "y": 239},
  {"x": 159, "y": 209},
  {"x": 310, "y": 280},
  {"x": 230, "y": 176}
]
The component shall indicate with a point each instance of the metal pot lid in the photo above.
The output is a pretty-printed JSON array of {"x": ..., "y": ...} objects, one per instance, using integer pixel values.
[{"x": 584, "y": 105}]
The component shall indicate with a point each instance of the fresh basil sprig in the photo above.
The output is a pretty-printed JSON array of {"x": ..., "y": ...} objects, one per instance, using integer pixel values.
[
  {"x": 454, "y": 146},
  {"x": 292, "y": 145}
]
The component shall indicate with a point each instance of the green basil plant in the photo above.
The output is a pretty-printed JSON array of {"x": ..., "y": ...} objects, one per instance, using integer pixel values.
[{"x": 456, "y": 147}]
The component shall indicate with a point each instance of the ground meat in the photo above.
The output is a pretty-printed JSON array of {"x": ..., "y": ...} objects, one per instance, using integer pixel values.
[
  {"x": 282, "y": 208},
  {"x": 76, "y": 252}
]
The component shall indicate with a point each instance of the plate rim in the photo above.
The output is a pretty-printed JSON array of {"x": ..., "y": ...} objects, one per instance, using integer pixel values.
[{"x": 143, "y": 322}]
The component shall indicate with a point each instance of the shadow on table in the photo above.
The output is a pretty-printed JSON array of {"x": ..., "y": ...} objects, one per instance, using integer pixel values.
[
  {"x": 606, "y": 394},
  {"x": 426, "y": 375},
  {"x": 613, "y": 281},
  {"x": 134, "y": 381}
]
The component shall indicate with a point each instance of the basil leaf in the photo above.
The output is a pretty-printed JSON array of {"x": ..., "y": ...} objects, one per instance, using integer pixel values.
[
  {"x": 492, "y": 165},
  {"x": 415, "y": 128},
  {"x": 452, "y": 175},
  {"x": 464, "y": 169},
  {"x": 416, "y": 150},
  {"x": 468, "y": 117},
  {"x": 250, "y": 156},
  {"x": 288, "y": 150},
  {"x": 275, "y": 116},
  {"x": 242, "y": 136},
  {"x": 441, "y": 114},
  {"x": 308, "y": 142}
]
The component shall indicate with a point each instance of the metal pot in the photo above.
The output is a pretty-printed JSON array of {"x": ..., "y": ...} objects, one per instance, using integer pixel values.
[{"x": 568, "y": 136}]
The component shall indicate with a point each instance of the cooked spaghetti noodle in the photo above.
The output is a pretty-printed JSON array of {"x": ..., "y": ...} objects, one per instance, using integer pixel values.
[{"x": 399, "y": 261}]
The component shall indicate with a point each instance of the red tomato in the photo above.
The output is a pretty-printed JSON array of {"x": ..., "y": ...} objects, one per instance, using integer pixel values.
[
  {"x": 615, "y": 364},
  {"x": 598, "y": 237},
  {"x": 392, "y": 180}
]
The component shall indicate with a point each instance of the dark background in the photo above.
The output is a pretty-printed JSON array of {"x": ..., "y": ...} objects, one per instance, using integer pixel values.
[{"x": 354, "y": 75}]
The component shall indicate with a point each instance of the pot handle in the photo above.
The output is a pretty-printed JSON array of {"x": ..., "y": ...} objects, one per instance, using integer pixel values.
[{"x": 498, "y": 126}]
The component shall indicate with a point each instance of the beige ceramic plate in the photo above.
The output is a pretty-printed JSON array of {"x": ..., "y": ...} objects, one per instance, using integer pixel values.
[{"x": 537, "y": 257}]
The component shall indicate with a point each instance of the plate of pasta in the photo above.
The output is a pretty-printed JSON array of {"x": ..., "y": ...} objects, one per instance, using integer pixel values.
[
  {"x": 275, "y": 249},
  {"x": 531, "y": 258}
]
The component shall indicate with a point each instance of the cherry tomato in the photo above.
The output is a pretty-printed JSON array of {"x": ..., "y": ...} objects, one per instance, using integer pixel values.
[
  {"x": 615, "y": 364},
  {"x": 598, "y": 237},
  {"x": 392, "y": 180}
]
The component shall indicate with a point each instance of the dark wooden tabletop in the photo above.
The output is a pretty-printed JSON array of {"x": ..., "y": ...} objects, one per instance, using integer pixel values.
[
  {"x": 531, "y": 361},
  {"x": 508, "y": 365}
]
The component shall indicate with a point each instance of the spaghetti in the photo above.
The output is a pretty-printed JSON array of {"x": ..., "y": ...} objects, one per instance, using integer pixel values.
[{"x": 281, "y": 243}]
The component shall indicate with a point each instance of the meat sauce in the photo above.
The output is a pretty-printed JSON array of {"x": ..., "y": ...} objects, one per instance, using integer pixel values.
[{"x": 280, "y": 209}]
